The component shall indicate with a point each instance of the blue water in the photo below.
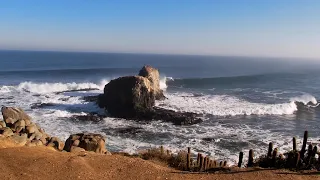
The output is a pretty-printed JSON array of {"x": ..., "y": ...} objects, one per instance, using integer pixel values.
[{"x": 246, "y": 102}]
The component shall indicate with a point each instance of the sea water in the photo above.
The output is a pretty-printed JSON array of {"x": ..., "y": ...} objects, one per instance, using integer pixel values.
[{"x": 245, "y": 102}]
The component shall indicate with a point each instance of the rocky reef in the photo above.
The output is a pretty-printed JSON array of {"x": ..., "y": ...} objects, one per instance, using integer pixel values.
[{"x": 133, "y": 97}]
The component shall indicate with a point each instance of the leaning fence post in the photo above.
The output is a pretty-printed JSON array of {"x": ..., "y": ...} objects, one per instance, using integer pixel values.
[
  {"x": 240, "y": 159},
  {"x": 250, "y": 162}
]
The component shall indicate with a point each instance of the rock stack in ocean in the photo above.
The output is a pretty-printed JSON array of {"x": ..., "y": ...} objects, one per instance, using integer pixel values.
[
  {"x": 86, "y": 142},
  {"x": 133, "y": 97},
  {"x": 17, "y": 127},
  {"x": 128, "y": 96}
]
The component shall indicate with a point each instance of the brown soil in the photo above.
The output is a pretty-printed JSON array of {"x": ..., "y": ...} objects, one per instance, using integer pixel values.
[{"x": 45, "y": 163}]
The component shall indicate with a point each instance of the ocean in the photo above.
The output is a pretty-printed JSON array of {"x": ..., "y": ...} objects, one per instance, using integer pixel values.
[{"x": 245, "y": 102}]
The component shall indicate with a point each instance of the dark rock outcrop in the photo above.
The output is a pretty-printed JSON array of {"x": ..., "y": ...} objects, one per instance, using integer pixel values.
[
  {"x": 177, "y": 118},
  {"x": 127, "y": 97},
  {"x": 152, "y": 74},
  {"x": 86, "y": 141}
]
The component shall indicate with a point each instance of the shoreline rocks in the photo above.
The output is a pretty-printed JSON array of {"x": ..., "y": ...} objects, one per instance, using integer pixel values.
[{"x": 18, "y": 127}]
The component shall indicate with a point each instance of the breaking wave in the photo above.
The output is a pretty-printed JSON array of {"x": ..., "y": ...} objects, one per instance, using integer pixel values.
[
  {"x": 223, "y": 105},
  {"x": 43, "y": 88}
]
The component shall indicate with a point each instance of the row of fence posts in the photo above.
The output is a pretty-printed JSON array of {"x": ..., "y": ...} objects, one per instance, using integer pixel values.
[
  {"x": 203, "y": 163},
  {"x": 295, "y": 157}
]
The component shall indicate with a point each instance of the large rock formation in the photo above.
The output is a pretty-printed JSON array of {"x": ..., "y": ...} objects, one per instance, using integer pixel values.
[
  {"x": 127, "y": 97},
  {"x": 133, "y": 97},
  {"x": 152, "y": 74},
  {"x": 86, "y": 142}
]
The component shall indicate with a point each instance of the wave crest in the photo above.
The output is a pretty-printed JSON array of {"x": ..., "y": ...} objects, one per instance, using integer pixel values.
[
  {"x": 5, "y": 89},
  {"x": 222, "y": 105},
  {"x": 42, "y": 88}
]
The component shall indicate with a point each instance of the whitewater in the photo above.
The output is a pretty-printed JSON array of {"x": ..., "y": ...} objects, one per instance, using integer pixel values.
[{"x": 66, "y": 100}]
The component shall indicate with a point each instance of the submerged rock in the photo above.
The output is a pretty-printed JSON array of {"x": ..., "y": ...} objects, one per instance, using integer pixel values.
[
  {"x": 90, "y": 98},
  {"x": 41, "y": 105},
  {"x": 94, "y": 117},
  {"x": 177, "y": 118}
]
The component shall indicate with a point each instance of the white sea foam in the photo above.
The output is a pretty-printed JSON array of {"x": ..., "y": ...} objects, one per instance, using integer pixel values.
[
  {"x": 43, "y": 88},
  {"x": 223, "y": 105},
  {"x": 55, "y": 87},
  {"x": 5, "y": 89}
]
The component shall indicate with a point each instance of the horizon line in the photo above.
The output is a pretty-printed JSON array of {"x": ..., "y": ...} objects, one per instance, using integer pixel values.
[{"x": 154, "y": 53}]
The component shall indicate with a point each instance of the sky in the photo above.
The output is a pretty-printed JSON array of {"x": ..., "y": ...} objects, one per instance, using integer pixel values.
[{"x": 271, "y": 28}]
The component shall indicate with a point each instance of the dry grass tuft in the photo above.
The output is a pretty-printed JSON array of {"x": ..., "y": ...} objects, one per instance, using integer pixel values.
[{"x": 177, "y": 161}]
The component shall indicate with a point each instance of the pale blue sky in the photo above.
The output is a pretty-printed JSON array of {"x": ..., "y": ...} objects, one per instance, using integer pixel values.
[{"x": 285, "y": 28}]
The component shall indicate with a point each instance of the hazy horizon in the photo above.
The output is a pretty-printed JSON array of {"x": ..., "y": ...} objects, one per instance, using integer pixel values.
[{"x": 266, "y": 28}]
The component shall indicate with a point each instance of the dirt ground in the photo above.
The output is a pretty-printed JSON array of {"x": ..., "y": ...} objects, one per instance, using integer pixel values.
[{"x": 45, "y": 163}]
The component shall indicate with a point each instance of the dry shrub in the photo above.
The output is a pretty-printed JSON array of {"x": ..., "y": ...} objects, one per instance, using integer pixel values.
[{"x": 177, "y": 161}]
